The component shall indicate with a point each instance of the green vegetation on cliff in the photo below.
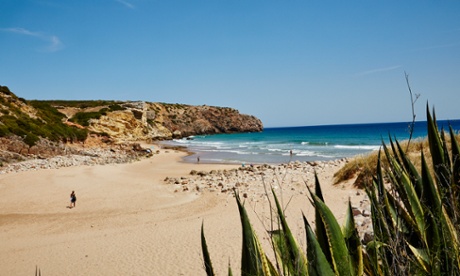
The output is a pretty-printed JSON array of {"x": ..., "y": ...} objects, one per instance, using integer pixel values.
[
  {"x": 76, "y": 104},
  {"x": 47, "y": 124},
  {"x": 83, "y": 118}
]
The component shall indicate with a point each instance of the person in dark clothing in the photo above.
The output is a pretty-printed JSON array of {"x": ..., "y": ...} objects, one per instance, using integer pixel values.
[{"x": 73, "y": 199}]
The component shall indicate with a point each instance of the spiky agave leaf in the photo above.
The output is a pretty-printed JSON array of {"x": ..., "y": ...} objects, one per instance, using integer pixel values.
[
  {"x": 351, "y": 235},
  {"x": 396, "y": 216},
  {"x": 320, "y": 228},
  {"x": 438, "y": 156},
  {"x": 318, "y": 265},
  {"x": 450, "y": 245},
  {"x": 455, "y": 183},
  {"x": 411, "y": 170},
  {"x": 441, "y": 233},
  {"x": 206, "y": 256},
  {"x": 377, "y": 257},
  {"x": 422, "y": 257},
  {"x": 253, "y": 259},
  {"x": 297, "y": 261},
  {"x": 229, "y": 269},
  {"x": 267, "y": 267},
  {"x": 382, "y": 219},
  {"x": 281, "y": 251},
  {"x": 393, "y": 172},
  {"x": 431, "y": 200},
  {"x": 413, "y": 205},
  {"x": 431, "y": 197},
  {"x": 455, "y": 169},
  {"x": 341, "y": 262}
]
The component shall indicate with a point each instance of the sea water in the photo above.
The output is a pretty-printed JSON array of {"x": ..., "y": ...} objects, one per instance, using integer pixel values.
[{"x": 309, "y": 143}]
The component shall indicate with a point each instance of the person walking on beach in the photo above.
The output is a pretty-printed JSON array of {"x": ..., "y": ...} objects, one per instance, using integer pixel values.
[{"x": 73, "y": 199}]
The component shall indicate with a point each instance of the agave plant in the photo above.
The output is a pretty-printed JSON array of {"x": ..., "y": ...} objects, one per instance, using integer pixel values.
[{"x": 415, "y": 215}]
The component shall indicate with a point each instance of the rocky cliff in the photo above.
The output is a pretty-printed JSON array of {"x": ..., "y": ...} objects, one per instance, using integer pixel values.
[
  {"x": 116, "y": 122},
  {"x": 135, "y": 121}
]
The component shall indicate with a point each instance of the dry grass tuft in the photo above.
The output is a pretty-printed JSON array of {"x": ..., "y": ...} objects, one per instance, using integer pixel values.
[{"x": 363, "y": 167}]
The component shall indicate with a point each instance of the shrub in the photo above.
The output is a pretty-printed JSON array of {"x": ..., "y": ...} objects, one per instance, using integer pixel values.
[
  {"x": 78, "y": 104},
  {"x": 83, "y": 118},
  {"x": 49, "y": 125},
  {"x": 4, "y": 131},
  {"x": 5, "y": 90},
  {"x": 30, "y": 139},
  {"x": 116, "y": 107}
]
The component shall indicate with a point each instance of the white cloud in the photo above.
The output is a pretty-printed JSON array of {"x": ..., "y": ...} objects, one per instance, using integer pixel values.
[
  {"x": 20, "y": 31},
  {"x": 126, "y": 4},
  {"x": 55, "y": 43},
  {"x": 378, "y": 70}
]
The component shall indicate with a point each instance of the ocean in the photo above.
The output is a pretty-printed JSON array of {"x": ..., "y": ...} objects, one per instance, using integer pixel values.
[{"x": 308, "y": 143}]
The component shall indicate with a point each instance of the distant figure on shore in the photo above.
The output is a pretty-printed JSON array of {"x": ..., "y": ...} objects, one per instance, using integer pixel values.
[
  {"x": 290, "y": 152},
  {"x": 198, "y": 160},
  {"x": 73, "y": 199}
]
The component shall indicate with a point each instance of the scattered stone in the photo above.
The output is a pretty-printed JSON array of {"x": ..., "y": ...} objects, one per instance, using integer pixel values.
[
  {"x": 249, "y": 181},
  {"x": 356, "y": 211},
  {"x": 202, "y": 173},
  {"x": 368, "y": 237},
  {"x": 69, "y": 156}
]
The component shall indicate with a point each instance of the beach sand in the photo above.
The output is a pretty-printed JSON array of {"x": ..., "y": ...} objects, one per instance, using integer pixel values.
[{"x": 129, "y": 221}]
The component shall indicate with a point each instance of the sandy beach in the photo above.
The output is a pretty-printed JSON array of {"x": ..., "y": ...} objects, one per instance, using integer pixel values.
[{"x": 129, "y": 221}]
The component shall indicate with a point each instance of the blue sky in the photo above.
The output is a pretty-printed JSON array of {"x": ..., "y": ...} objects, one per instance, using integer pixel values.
[{"x": 290, "y": 63}]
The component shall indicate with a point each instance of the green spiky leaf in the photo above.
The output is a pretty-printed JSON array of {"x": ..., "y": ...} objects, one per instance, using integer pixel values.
[
  {"x": 206, "y": 257},
  {"x": 340, "y": 258},
  {"x": 352, "y": 241},
  {"x": 296, "y": 258},
  {"x": 318, "y": 265}
]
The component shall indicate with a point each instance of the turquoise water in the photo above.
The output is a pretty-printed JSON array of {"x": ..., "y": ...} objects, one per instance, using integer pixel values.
[{"x": 311, "y": 143}]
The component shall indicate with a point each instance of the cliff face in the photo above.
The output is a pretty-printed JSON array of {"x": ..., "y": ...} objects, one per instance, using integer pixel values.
[
  {"x": 120, "y": 121},
  {"x": 159, "y": 121}
]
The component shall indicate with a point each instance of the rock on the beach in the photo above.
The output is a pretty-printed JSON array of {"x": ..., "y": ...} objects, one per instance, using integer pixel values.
[
  {"x": 88, "y": 157},
  {"x": 250, "y": 182}
]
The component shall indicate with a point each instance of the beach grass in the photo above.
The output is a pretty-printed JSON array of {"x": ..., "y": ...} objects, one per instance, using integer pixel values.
[{"x": 363, "y": 167}]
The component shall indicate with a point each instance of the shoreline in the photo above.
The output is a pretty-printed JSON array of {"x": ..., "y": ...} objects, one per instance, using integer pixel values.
[{"x": 129, "y": 219}]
